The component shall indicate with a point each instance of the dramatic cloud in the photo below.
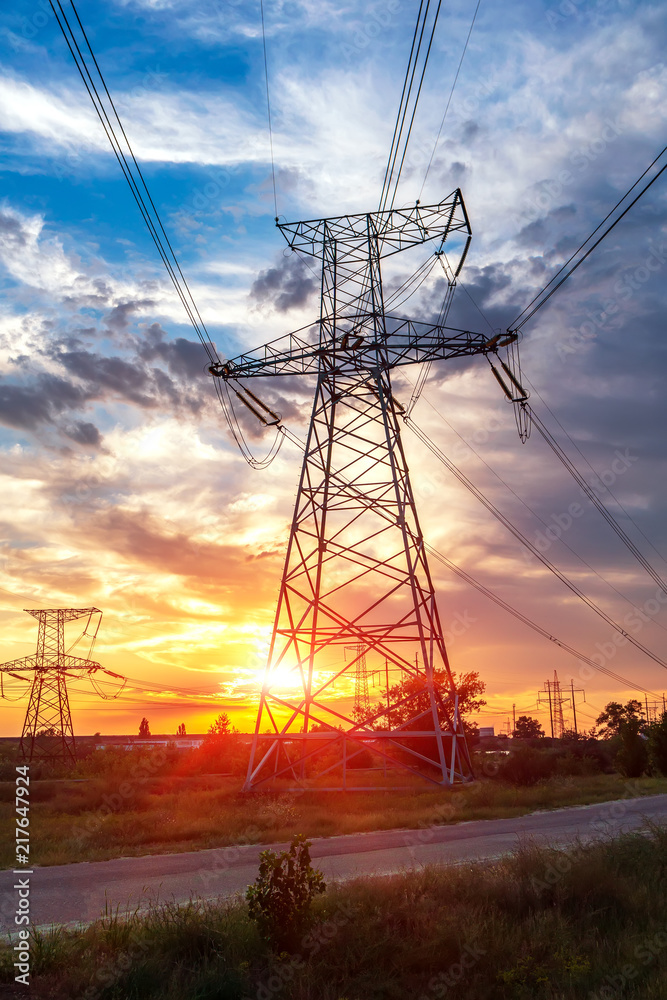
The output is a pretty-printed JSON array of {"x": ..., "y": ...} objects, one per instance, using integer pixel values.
[
  {"x": 122, "y": 485},
  {"x": 286, "y": 286}
]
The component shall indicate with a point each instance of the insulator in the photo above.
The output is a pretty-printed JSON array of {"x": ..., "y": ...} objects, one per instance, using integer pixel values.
[
  {"x": 463, "y": 257},
  {"x": 501, "y": 383},
  {"x": 509, "y": 339},
  {"x": 514, "y": 380},
  {"x": 276, "y": 416},
  {"x": 252, "y": 409}
]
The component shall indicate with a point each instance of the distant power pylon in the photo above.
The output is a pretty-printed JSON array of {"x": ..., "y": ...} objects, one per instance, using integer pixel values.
[
  {"x": 554, "y": 693},
  {"x": 356, "y": 570},
  {"x": 362, "y": 701},
  {"x": 47, "y": 730}
]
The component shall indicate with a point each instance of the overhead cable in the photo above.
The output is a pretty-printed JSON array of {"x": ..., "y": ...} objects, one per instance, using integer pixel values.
[
  {"x": 554, "y": 284},
  {"x": 399, "y": 145},
  {"x": 594, "y": 498},
  {"x": 436, "y": 451},
  {"x": 492, "y": 595},
  {"x": 131, "y": 170},
  {"x": 268, "y": 110},
  {"x": 451, "y": 94}
]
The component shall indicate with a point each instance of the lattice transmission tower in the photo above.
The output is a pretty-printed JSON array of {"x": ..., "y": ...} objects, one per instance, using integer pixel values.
[
  {"x": 362, "y": 701},
  {"x": 356, "y": 570},
  {"x": 47, "y": 730}
]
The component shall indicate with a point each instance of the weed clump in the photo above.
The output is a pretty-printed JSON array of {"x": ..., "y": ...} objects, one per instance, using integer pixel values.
[{"x": 280, "y": 898}]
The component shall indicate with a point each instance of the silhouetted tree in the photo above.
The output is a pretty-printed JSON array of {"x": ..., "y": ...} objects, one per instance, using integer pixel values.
[
  {"x": 144, "y": 729},
  {"x": 657, "y": 744},
  {"x": 614, "y": 714},
  {"x": 527, "y": 728},
  {"x": 221, "y": 727},
  {"x": 181, "y": 730},
  {"x": 468, "y": 686}
]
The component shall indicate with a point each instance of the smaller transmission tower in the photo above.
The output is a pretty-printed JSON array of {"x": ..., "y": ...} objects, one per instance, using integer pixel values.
[
  {"x": 554, "y": 693},
  {"x": 47, "y": 730},
  {"x": 362, "y": 701}
]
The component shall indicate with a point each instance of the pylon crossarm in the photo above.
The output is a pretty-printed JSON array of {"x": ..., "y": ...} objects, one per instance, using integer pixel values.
[
  {"x": 397, "y": 229},
  {"x": 24, "y": 663},
  {"x": 407, "y": 342}
]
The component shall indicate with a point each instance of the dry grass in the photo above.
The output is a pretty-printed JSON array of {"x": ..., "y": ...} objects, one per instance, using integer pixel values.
[
  {"x": 93, "y": 820},
  {"x": 541, "y": 925}
]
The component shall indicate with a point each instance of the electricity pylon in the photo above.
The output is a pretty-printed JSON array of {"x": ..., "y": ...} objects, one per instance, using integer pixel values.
[
  {"x": 554, "y": 693},
  {"x": 362, "y": 701},
  {"x": 47, "y": 730},
  {"x": 356, "y": 570}
]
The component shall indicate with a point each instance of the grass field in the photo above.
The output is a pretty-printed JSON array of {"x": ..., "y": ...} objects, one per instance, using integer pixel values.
[
  {"x": 587, "y": 924},
  {"x": 105, "y": 818}
]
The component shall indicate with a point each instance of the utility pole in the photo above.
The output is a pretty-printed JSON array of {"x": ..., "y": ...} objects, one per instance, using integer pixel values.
[
  {"x": 574, "y": 692},
  {"x": 547, "y": 689},
  {"x": 513, "y": 717}
]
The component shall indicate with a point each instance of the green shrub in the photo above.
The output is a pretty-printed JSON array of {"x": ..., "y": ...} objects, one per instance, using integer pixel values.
[
  {"x": 279, "y": 900},
  {"x": 526, "y": 766},
  {"x": 632, "y": 758},
  {"x": 657, "y": 745}
]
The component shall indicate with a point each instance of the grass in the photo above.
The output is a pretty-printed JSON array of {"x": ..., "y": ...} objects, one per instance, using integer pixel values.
[
  {"x": 540, "y": 925},
  {"x": 93, "y": 820}
]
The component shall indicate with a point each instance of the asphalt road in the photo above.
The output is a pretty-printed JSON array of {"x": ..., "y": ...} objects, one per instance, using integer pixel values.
[{"x": 63, "y": 894}]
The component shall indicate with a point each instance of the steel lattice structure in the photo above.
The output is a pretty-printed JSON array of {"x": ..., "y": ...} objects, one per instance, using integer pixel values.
[
  {"x": 356, "y": 570},
  {"x": 47, "y": 730}
]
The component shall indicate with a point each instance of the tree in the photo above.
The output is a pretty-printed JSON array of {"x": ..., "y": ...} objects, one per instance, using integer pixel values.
[
  {"x": 181, "y": 730},
  {"x": 657, "y": 744},
  {"x": 468, "y": 686},
  {"x": 527, "y": 728},
  {"x": 144, "y": 729},
  {"x": 614, "y": 714},
  {"x": 632, "y": 758},
  {"x": 221, "y": 727}
]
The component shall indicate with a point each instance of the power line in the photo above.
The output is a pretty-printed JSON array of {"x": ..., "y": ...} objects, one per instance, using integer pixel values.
[
  {"x": 392, "y": 173},
  {"x": 520, "y": 616},
  {"x": 528, "y": 507},
  {"x": 268, "y": 110},
  {"x": 451, "y": 94},
  {"x": 545, "y": 294},
  {"x": 593, "y": 470},
  {"x": 593, "y": 497},
  {"x": 505, "y": 521},
  {"x": 129, "y": 166}
]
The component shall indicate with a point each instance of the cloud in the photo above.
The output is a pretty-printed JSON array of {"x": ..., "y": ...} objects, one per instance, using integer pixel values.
[
  {"x": 41, "y": 401},
  {"x": 84, "y": 433},
  {"x": 288, "y": 285},
  {"x": 182, "y": 357}
]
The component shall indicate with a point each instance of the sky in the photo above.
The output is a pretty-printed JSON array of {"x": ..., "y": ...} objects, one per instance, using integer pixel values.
[{"x": 121, "y": 486}]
